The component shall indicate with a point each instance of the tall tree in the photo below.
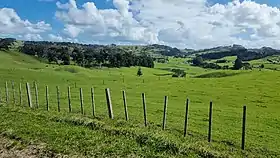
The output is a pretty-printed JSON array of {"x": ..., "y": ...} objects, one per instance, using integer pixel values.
[{"x": 237, "y": 64}]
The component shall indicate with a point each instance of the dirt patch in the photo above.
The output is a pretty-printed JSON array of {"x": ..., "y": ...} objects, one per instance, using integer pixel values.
[{"x": 16, "y": 149}]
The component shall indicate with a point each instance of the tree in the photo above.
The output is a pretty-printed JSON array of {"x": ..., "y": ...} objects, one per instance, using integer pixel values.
[
  {"x": 6, "y": 43},
  {"x": 139, "y": 72},
  {"x": 178, "y": 73},
  {"x": 197, "y": 61},
  {"x": 52, "y": 55},
  {"x": 262, "y": 66},
  {"x": 65, "y": 57},
  {"x": 237, "y": 64}
]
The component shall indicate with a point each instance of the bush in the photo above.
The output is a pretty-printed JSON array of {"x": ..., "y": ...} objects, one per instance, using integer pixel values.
[
  {"x": 222, "y": 61},
  {"x": 139, "y": 72},
  {"x": 237, "y": 64},
  {"x": 197, "y": 61},
  {"x": 225, "y": 67},
  {"x": 178, "y": 73},
  {"x": 211, "y": 66}
]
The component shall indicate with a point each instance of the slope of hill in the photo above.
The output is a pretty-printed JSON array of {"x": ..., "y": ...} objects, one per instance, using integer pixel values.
[{"x": 72, "y": 134}]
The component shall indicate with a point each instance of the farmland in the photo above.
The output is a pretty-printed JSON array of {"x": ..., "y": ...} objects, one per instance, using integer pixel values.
[{"x": 76, "y": 135}]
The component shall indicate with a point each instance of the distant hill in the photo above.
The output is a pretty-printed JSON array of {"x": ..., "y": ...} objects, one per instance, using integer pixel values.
[
  {"x": 154, "y": 50},
  {"x": 241, "y": 52}
]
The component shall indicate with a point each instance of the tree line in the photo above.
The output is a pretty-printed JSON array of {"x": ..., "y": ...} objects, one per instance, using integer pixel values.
[
  {"x": 86, "y": 55},
  {"x": 238, "y": 64}
]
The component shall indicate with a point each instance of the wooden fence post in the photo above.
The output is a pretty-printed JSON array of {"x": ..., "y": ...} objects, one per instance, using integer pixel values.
[
  {"x": 164, "y": 112},
  {"x": 14, "y": 92},
  {"x": 47, "y": 97},
  {"x": 82, "y": 101},
  {"x": 29, "y": 95},
  {"x": 210, "y": 122},
  {"x": 243, "y": 128},
  {"x": 58, "y": 98},
  {"x": 144, "y": 108},
  {"x": 36, "y": 94},
  {"x": 69, "y": 99},
  {"x": 20, "y": 94},
  {"x": 186, "y": 118},
  {"x": 125, "y": 105},
  {"x": 109, "y": 103},
  {"x": 92, "y": 101},
  {"x": 7, "y": 92}
]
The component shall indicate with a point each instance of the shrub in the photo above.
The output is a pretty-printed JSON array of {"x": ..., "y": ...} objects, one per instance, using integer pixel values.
[
  {"x": 222, "y": 61},
  {"x": 237, "y": 64},
  {"x": 139, "y": 72},
  {"x": 178, "y": 73}
]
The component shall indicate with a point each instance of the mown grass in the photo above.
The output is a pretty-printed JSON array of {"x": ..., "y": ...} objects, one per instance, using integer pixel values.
[{"x": 256, "y": 89}]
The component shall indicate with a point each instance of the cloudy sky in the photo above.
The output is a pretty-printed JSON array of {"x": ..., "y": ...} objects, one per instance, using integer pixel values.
[{"x": 179, "y": 23}]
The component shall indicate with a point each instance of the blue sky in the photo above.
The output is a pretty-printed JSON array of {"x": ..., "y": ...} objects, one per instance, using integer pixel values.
[
  {"x": 150, "y": 25},
  {"x": 38, "y": 10}
]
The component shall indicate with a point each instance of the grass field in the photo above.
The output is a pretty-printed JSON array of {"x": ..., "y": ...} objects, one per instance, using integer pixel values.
[{"x": 73, "y": 135}]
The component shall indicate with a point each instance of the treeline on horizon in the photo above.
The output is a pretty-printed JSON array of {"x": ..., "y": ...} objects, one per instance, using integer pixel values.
[{"x": 82, "y": 54}]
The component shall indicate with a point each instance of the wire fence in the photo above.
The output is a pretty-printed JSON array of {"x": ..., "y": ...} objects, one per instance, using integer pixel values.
[{"x": 43, "y": 97}]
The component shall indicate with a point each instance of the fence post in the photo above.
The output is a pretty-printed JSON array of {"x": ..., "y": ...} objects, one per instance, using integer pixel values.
[
  {"x": 109, "y": 103},
  {"x": 243, "y": 128},
  {"x": 82, "y": 101},
  {"x": 125, "y": 105},
  {"x": 29, "y": 95},
  {"x": 47, "y": 97},
  {"x": 7, "y": 92},
  {"x": 164, "y": 112},
  {"x": 14, "y": 92},
  {"x": 20, "y": 94},
  {"x": 144, "y": 108},
  {"x": 58, "y": 98},
  {"x": 210, "y": 122},
  {"x": 186, "y": 118},
  {"x": 36, "y": 94},
  {"x": 69, "y": 99},
  {"x": 92, "y": 101}
]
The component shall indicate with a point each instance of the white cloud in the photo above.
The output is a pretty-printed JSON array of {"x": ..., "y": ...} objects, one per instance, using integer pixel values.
[
  {"x": 107, "y": 24},
  {"x": 11, "y": 23},
  {"x": 182, "y": 23},
  {"x": 55, "y": 38},
  {"x": 72, "y": 30},
  {"x": 32, "y": 37},
  {"x": 58, "y": 38}
]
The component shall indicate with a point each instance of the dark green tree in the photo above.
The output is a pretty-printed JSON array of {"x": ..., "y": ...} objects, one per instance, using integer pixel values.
[
  {"x": 52, "y": 55},
  {"x": 237, "y": 64},
  {"x": 139, "y": 72},
  {"x": 65, "y": 57},
  {"x": 197, "y": 61}
]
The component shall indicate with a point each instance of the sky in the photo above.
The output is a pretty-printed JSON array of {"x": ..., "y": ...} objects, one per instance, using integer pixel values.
[{"x": 192, "y": 24}]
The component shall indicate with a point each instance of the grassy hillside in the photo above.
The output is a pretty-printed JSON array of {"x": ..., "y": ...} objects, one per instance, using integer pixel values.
[{"x": 229, "y": 92}]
